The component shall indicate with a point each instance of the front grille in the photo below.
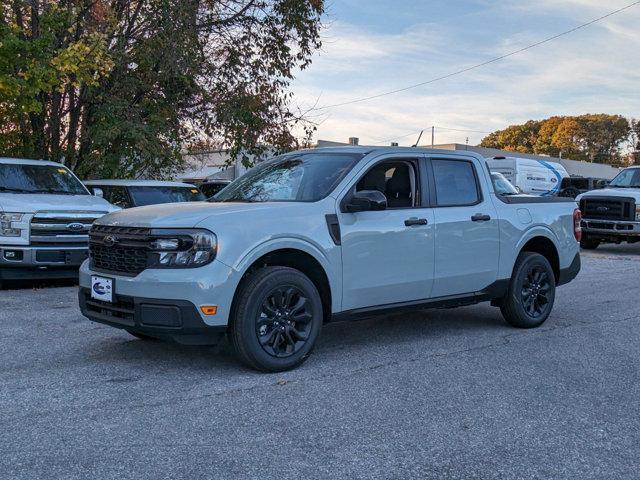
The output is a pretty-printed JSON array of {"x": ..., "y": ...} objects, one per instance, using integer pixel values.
[
  {"x": 608, "y": 208},
  {"x": 122, "y": 250},
  {"x": 68, "y": 229}
]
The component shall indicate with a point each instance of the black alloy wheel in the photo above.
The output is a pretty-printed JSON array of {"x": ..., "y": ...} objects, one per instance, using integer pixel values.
[
  {"x": 284, "y": 322},
  {"x": 535, "y": 289}
]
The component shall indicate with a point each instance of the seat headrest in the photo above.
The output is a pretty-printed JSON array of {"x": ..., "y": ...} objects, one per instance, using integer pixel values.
[{"x": 374, "y": 180}]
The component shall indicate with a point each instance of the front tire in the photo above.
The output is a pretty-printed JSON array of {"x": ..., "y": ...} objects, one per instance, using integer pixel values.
[
  {"x": 532, "y": 292},
  {"x": 589, "y": 243},
  {"x": 276, "y": 320}
]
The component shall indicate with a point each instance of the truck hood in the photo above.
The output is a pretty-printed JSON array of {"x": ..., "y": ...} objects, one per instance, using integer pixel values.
[
  {"x": 612, "y": 192},
  {"x": 33, "y": 203},
  {"x": 184, "y": 215}
]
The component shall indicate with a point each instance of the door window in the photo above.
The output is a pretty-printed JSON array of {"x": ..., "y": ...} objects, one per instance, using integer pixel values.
[
  {"x": 396, "y": 179},
  {"x": 456, "y": 183}
]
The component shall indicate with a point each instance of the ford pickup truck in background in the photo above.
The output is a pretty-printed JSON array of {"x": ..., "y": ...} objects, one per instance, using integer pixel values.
[
  {"x": 612, "y": 214},
  {"x": 45, "y": 217},
  {"x": 320, "y": 235}
]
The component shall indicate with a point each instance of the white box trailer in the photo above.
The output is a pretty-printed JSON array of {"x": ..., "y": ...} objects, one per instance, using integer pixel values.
[{"x": 534, "y": 177}]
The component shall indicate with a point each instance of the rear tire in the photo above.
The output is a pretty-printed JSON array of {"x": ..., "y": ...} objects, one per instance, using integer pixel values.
[
  {"x": 531, "y": 292},
  {"x": 276, "y": 319},
  {"x": 589, "y": 243}
]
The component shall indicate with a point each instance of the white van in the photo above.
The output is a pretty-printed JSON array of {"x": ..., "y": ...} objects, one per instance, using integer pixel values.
[{"x": 535, "y": 177}]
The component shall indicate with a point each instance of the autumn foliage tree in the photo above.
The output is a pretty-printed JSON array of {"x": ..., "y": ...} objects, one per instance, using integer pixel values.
[
  {"x": 596, "y": 138},
  {"x": 122, "y": 87}
]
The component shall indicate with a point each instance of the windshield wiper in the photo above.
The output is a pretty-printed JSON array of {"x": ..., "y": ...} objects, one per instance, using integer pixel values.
[
  {"x": 237, "y": 200},
  {"x": 53, "y": 191},
  {"x": 17, "y": 190}
]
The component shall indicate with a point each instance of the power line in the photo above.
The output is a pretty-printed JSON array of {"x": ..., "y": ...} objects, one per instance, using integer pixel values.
[
  {"x": 416, "y": 132},
  {"x": 483, "y": 64}
]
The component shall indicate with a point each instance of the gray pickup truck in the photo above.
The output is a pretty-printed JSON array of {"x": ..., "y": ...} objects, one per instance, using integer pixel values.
[
  {"x": 320, "y": 235},
  {"x": 612, "y": 214},
  {"x": 45, "y": 217}
]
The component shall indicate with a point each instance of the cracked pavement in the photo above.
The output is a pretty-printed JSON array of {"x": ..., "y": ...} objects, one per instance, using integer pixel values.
[{"x": 453, "y": 394}]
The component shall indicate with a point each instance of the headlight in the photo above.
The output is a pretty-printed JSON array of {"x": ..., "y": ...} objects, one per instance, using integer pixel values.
[
  {"x": 638, "y": 214},
  {"x": 183, "y": 248},
  {"x": 7, "y": 229}
]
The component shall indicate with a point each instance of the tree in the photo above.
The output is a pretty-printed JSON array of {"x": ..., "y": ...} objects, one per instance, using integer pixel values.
[
  {"x": 595, "y": 138},
  {"x": 122, "y": 87},
  {"x": 516, "y": 138}
]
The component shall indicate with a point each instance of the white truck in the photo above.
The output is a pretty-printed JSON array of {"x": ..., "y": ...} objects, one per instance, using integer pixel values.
[
  {"x": 534, "y": 177},
  {"x": 612, "y": 215},
  {"x": 45, "y": 217}
]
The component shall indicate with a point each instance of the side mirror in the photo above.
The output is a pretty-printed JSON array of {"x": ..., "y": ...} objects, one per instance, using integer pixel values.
[
  {"x": 366, "y": 200},
  {"x": 98, "y": 192},
  {"x": 601, "y": 184}
]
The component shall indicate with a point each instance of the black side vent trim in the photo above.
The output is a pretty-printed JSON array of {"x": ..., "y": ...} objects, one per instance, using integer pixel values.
[{"x": 334, "y": 228}]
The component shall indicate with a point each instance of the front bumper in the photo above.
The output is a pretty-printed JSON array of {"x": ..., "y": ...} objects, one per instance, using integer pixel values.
[
  {"x": 176, "y": 320},
  {"x": 611, "y": 229},
  {"x": 213, "y": 284},
  {"x": 29, "y": 262}
]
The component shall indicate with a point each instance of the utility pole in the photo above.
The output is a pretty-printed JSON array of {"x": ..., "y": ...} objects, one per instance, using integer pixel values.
[{"x": 433, "y": 136}]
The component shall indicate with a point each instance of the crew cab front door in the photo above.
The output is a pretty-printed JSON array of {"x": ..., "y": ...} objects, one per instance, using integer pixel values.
[
  {"x": 388, "y": 255},
  {"x": 467, "y": 237}
]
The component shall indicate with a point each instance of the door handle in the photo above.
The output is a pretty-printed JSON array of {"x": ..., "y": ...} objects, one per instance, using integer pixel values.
[
  {"x": 412, "y": 222},
  {"x": 478, "y": 217}
]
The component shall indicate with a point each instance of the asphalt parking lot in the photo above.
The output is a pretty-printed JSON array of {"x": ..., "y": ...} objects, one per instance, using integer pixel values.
[{"x": 444, "y": 394}]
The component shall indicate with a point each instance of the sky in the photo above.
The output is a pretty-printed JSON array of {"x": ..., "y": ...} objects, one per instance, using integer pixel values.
[{"x": 375, "y": 46}]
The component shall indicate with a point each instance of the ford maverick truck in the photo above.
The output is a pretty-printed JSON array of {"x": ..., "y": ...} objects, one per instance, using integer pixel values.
[
  {"x": 45, "y": 217},
  {"x": 612, "y": 214},
  {"x": 320, "y": 235}
]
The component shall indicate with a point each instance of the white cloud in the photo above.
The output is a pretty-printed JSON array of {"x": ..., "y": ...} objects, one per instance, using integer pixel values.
[{"x": 592, "y": 70}]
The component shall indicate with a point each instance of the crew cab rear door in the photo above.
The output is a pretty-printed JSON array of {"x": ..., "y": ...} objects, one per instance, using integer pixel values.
[
  {"x": 388, "y": 255},
  {"x": 466, "y": 226}
]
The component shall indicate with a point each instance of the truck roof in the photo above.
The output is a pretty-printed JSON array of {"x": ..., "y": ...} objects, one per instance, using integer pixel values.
[
  {"x": 25, "y": 161},
  {"x": 137, "y": 183},
  {"x": 364, "y": 150}
]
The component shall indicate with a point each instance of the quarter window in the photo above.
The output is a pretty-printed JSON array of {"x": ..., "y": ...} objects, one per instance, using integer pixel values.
[{"x": 456, "y": 183}]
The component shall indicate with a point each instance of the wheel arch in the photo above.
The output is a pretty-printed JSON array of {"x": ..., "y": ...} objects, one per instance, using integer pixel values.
[
  {"x": 545, "y": 246},
  {"x": 313, "y": 265}
]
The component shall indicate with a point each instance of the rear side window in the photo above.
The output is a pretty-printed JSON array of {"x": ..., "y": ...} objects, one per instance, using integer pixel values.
[{"x": 456, "y": 183}]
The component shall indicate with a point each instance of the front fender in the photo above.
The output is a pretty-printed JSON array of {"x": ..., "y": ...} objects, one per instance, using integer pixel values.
[{"x": 328, "y": 258}]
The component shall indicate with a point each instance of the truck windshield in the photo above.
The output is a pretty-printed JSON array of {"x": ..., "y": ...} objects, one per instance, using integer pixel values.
[
  {"x": 629, "y": 178},
  {"x": 143, "y": 196},
  {"x": 300, "y": 177},
  {"x": 501, "y": 185},
  {"x": 20, "y": 178}
]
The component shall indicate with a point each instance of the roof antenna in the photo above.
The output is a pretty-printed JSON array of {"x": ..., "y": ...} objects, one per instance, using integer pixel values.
[{"x": 419, "y": 137}]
